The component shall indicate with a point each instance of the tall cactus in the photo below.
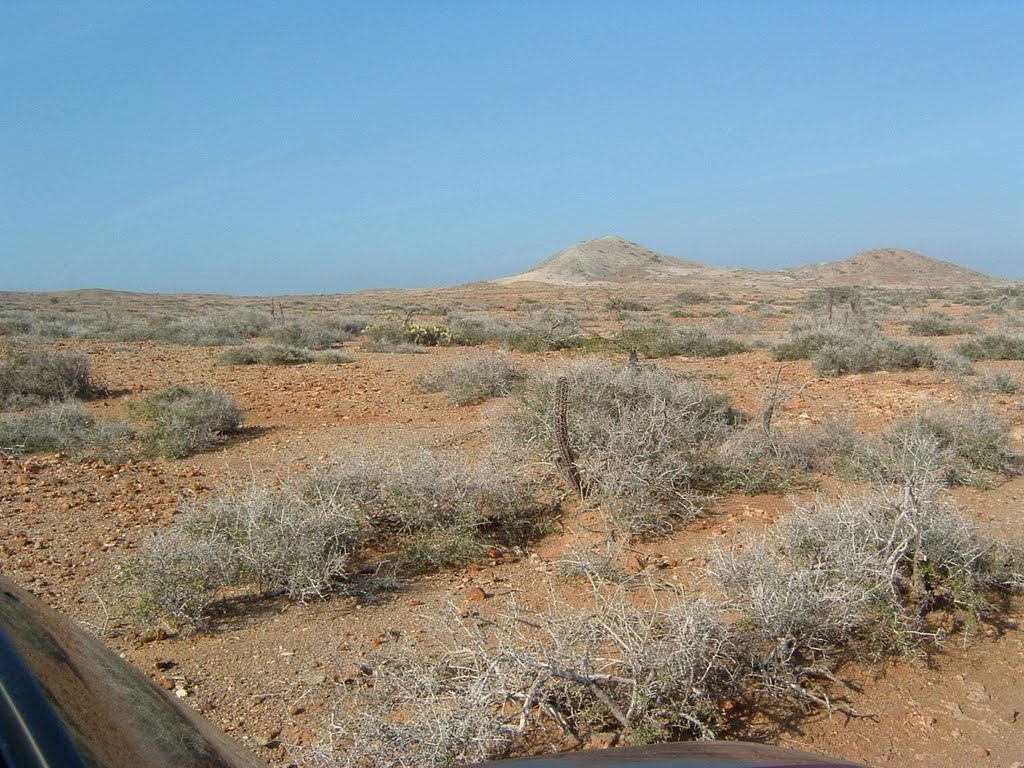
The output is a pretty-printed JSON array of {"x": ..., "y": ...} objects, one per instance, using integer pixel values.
[{"x": 566, "y": 459}]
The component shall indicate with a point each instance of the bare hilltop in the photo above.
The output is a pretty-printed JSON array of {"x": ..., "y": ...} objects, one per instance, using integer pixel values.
[{"x": 613, "y": 259}]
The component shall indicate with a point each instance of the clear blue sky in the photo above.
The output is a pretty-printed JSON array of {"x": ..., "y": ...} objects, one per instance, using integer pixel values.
[{"x": 320, "y": 147}]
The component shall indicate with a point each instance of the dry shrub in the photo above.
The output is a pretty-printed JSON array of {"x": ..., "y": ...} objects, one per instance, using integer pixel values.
[
  {"x": 961, "y": 446},
  {"x": 660, "y": 673},
  {"x": 185, "y": 420},
  {"x": 993, "y": 347},
  {"x": 473, "y": 379},
  {"x": 861, "y": 572},
  {"x": 836, "y": 349},
  {"x": 62, "y": 428},
  {"x": 33, "y": 376},
  {"x": 642, "y": 437},
  {"x": 294, "y": 540},
  {"x": 427, "y": 510},
  {"x": 267, "y": 354},
  {"x": 755, "y": 460}
]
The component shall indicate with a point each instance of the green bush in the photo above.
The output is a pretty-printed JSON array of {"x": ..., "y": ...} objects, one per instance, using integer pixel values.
[
  {"x": 545, "y": 330},
  {"x": 306, "y": 335},
  {"x": 619, "y": 304},
  {"x": 964, "y": 446},
  {"x": 936, "y": 325},
  {"x": 665, "y": 341},
  {"x": 183, "y": 420},
  {"x": 31, "y": 376},
  {"x": 866, "y": 354},
  {"x": 993, "y": 347},
  {"x": 999, "y": 382},
  {"x": 267, "y": 354}
]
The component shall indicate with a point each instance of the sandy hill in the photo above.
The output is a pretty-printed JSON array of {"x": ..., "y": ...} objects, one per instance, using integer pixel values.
[
  {"x": 890, "y": 267},
  {"x": 612, "y": 260},
  {"x": 615, "y": 260}
]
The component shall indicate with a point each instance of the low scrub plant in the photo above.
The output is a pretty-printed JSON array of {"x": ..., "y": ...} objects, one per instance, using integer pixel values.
[
  {"x": 643, "y": 439},
  {"x": 303, "y": 538},
  {"x": 477, "y": 328},
  {"x": 65, "y": 427},
  {"x": 307, "y": 334},
  {"x": 862, "y": 571},
  {"x": 545, "y": 330},
  {"x": 1000, "y": 382},
  {"x": 658, "y": 674},
  {"x": 473, "y": 379},
  {"x": 935, "y": 324},
  {"x": 665, "y": 341},
  {"x": 993, "y": 347},
  {"x": 183, "y": 420},
  {"x": 838, "y": 349},
  {"x": 756, "y": 460},
  {"x": 277, "y": 541},
  {"x": 31, "y": 376},
  {"x": 962, "y": 446},
  {"x": 267, "y": 354},
  {"x": 446, "y": 510}
]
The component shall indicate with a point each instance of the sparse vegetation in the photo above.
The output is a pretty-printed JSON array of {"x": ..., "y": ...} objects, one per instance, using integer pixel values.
[
  {"x": 295, "y": 540},
  {"x": 661, "y": 674},
  {"x": 862, "y": 572},
  {"x": 300, "y": 539},
  {"x": 835, "y": 350},
  {"x": 665, "y": 341},
  {"x": 935, "y": 324},
  {"x": 1000, "y": 382}
]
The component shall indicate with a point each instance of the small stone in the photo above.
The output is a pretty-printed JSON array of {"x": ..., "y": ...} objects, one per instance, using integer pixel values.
[
  {"x": 296, "y": 710},
  {"x": 163, "y": 664},
  {"x": 981, "y": 752},
  {"x": 603, "y": 740},
  {"x": 476, "y": 595},
  {"x": 181, "y": 693},
  {"x": 165, "y": 682}
]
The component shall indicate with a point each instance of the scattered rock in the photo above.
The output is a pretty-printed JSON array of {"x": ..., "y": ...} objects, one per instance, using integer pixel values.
[{"x": 476, "y": 595}]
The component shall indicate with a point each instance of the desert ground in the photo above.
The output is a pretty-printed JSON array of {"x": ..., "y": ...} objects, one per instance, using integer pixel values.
[{"x": 285, "y": 674}]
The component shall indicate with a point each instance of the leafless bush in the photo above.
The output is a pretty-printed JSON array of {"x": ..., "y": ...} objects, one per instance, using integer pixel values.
[
  {"x": 473, "y": 379},
  {"x": 860, "y": 571},
  {"x": 661, "y": 673},
  {"x": 642, "y": 437}
]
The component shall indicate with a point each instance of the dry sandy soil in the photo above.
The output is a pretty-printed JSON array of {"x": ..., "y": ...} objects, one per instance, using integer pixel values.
[{"x": 265, "y": 673}]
